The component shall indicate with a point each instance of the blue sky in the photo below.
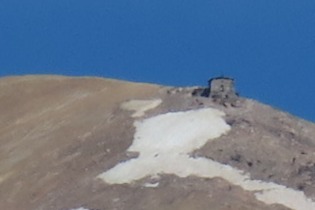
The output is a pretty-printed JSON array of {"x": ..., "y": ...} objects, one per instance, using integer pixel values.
[{"x": 268, "y": 46}]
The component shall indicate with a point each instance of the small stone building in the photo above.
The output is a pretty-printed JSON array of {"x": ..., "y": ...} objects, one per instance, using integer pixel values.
[{"x": 222, "y": 88}]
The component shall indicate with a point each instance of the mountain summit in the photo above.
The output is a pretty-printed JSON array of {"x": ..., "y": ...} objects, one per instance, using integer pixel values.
[{"x": 101, "y": 144}]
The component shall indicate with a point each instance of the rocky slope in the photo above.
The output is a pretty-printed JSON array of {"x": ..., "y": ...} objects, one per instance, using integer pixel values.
[{"x": 64, "y": 143}]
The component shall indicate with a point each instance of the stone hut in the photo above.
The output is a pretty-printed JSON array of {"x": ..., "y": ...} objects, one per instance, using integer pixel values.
[
  {"x": 222, "y": 87},
  {"x": 222, "y": 90}
]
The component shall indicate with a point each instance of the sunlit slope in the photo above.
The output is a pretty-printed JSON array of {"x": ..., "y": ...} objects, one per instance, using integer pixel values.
[
  {"x": 55, "y": 132},
  {"x": 92, "y": 143}
]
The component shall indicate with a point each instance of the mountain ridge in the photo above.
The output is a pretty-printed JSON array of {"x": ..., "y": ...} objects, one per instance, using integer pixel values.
[{"x": 59, "y": 133}]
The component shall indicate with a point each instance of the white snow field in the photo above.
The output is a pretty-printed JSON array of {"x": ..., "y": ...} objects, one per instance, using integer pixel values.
[{"x": 164, "y": 143}]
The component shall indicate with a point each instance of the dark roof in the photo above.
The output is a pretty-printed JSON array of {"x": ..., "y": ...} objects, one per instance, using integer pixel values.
[{"x": 221, "y": 77}]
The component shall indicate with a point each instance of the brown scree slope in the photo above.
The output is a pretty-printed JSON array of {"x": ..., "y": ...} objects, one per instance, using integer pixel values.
[{"x": 57, "y": 134}]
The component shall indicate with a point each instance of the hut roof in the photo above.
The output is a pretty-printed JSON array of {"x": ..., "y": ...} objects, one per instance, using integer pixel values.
[{"x": 221, "y": 78}]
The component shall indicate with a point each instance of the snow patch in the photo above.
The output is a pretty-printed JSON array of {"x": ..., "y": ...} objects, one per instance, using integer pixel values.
[
  {"x": 164, "y": 143},
  {"x": 140, "y": 106}
]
